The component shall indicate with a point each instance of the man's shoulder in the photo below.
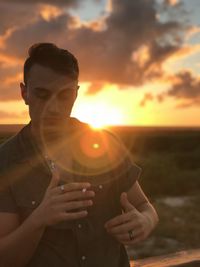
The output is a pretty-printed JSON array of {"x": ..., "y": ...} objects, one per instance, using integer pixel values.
[
  {"x": 76, "y": 124},
  {"x": 7, "y": 145},
  {"x": 9, "y": 148},
  {"x": 79, "y": 125}
]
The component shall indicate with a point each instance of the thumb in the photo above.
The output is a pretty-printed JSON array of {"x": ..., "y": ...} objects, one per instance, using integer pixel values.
[
  {"x": 55, "y": 178},
  {"x": 126, "y": 205}
]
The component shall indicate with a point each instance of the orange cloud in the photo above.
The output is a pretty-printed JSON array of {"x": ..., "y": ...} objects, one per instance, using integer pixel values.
[
  {"x": 147, "y": 97},
  {"x": 13, "y": 79},
  {"x": 172, "y": 2},
  {"x": 7, "y": 61},
  {"x": 49, "y": 12}
]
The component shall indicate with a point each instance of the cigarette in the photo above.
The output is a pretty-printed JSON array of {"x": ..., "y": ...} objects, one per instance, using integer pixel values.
[{"x": 84, "y": 190}]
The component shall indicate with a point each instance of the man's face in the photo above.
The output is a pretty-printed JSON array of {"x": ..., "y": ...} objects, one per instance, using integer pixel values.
[{"x": 49, "y": 95}]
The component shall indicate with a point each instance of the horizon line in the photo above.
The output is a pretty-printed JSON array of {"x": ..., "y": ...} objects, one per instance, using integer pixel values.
[{"x": 120, "y": 125}]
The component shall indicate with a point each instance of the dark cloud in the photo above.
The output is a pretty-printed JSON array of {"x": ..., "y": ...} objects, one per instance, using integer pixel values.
[
  {"x": 15, "y": 15},
  {"x": 42, "y": 30},
  {"x": 49, "y": 2},
  {"x": 95, "y": 87},
  {"x": 147, "y": 97},
  {"x": 112, "y": 54},
  {"x": 18, "y": 13},
  {"x": 107, "y": 55},
  {"x": 185, "y": 88}
]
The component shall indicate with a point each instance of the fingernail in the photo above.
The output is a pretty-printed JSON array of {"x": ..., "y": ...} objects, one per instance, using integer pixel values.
[{"x": 90, "y": 202}]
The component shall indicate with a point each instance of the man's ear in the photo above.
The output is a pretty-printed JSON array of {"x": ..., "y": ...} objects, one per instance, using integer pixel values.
[
  {"x": 78, "y": 86},
  {"x": 24, "y": 93}
]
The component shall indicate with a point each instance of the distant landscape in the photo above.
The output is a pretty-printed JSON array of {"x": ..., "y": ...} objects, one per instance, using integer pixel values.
[{"x": 170, "y": 160}]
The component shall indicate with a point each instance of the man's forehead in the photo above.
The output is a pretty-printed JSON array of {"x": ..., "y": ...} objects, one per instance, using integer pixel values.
[{"x": 41, "y": 76}]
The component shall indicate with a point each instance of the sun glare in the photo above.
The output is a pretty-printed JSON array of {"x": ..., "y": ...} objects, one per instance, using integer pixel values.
[{"x": 99, "y": 115}]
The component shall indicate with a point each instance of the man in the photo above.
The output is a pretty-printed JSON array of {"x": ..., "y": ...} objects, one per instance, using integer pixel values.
[{"x": 58, "y": 208}]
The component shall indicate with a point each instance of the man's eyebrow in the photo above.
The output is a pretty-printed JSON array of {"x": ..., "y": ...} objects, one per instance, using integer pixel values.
[
  {"x": 41, "y": 88},
  {"x": 65, "y": 90},
  {"x": 48, "y": 90}
]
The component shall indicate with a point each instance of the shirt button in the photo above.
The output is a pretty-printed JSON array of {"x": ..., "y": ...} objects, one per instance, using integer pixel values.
[
  {"x": 100, "y": 186},
  {"x": 79, "y": 226},
  {"x": 83, "y": 258}
]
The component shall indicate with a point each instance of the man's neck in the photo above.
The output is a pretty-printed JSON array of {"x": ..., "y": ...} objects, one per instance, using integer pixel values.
[
  {"x": 46, "y": 139},
  {"x": 36, "y": 134}
]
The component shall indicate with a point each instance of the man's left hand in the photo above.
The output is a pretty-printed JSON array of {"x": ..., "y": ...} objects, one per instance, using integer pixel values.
[{"x": 130, "y": 227}]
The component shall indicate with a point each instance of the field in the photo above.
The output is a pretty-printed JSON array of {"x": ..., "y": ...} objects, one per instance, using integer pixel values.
[{"x": 170, "y": 160}]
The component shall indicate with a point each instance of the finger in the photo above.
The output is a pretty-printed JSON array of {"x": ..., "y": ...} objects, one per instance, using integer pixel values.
[
  {"x": 54, "y": 179},
  {"x": 68, "y": 216},
  {"x": 71, "y": 187},
  {"x": 126, "y": 238},
  {"x": 120, "y": 219},
  {"x": 126, "y": 205},
  {"x": 73, "y": 205},
  {"x": 123, "y": 228},
  {"x": 73, "y": 195}
]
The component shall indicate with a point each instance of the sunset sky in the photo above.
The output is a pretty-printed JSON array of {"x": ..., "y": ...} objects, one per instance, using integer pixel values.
[{"x": 139, "y": 59}]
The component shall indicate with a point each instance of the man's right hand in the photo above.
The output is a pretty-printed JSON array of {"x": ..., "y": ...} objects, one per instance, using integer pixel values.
[{"x": 63, "y": 205}]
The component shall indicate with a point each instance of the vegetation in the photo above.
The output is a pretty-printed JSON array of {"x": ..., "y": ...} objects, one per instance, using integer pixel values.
[{"x": 169, "y": 160}]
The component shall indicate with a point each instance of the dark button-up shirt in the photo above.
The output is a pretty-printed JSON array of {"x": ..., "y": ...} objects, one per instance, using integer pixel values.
[{"x": 24, "y": 177}]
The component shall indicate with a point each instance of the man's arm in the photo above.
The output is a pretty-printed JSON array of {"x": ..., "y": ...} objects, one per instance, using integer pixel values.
[{"x": 18, "y": 242}]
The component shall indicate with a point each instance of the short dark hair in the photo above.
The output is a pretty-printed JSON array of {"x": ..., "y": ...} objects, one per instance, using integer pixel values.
[{"x": 49, "y": 55}]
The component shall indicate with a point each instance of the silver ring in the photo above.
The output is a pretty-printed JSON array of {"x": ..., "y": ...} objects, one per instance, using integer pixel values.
[
  {"x": 62, "y": 187},
  {"x": 131, "y": 235}
]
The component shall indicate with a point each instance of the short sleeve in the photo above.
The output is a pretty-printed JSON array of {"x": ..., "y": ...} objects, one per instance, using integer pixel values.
[
  {"x": 128, "y": 174},
  {"x": 7, "y": 202}
]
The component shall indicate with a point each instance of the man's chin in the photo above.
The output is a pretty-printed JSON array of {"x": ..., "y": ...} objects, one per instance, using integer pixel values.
[{"x": 49, "y": 122}]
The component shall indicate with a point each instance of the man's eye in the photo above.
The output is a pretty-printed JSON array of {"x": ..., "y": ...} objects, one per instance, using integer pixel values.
[
  {"x": 66, "y": 95},
  {"x": 42, "y": 95}
]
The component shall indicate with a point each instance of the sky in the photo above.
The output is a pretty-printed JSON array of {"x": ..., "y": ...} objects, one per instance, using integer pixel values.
[{"x": 139, "y": 60}]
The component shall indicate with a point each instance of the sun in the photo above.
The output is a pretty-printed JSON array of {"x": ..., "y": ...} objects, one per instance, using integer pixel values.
[{"x": 99, "y": 115}]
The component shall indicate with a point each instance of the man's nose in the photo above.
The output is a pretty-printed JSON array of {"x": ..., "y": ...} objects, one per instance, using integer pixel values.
[{"x": 53, "y": 106}]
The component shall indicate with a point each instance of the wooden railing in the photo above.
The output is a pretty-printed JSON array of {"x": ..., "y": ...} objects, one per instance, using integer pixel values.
[{"x": 189, "y": 258}]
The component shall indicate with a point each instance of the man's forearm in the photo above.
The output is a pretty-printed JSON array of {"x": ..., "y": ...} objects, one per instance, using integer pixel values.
[
  {"x": 150, "y": 213},
  {"x": 17, "y": 248}
]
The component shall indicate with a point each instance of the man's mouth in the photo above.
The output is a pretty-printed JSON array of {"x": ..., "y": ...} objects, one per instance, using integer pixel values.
[{"x": 52, "y": 119}]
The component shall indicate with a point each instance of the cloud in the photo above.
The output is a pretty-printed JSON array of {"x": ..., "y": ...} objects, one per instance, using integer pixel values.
[
  {"x": 15, "y": 15},
  {"x": 108, "y": 55},
  {"x": 95, "y": 87},
  {"x": 10, "y": 92},
  {"x": 111, "y": 54},
  {"x": 147, "y": 97},
  {"x": 52, "y": 2},
  {"x": 184, "y": 89},
  {"x": 41, "y": 30},
  {"x": 172, "y": 2},
  {"x": 12, "y": 115}
]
